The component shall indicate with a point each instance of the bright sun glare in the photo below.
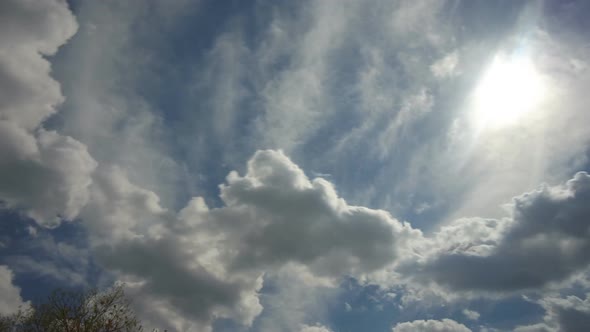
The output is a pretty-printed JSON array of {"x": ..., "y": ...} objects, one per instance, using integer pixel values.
[{"x": 509, "y": 89}]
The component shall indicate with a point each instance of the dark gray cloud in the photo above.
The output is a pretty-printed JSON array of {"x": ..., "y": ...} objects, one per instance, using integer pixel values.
[
  {"x": 545, "y": 240},
  {"x": 168, "y": 275}
]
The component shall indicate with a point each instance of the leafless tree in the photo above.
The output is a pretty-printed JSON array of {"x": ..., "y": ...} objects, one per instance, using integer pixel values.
[{"x": 76, "y": 311}]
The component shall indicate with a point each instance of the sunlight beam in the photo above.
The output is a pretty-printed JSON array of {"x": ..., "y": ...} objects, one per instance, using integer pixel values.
[{"x": 509, "y": 89}]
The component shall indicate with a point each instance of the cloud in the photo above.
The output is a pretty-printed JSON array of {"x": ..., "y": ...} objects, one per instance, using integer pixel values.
[
  {"x": 316, "y": 328},
  {"x": 470, "y": 314},
  {"x": 44, "y": 257},
  {"x": 118, "y": 209},
  {"x": 48, "y": 176},
  {"x": 11, "y": 300},
  {"x": 335, "y": 85},
  {"x": 285, "y": 217},
  {"x": 208, "y": 263},
  {"x": 107, "y": 74},
  {"x": 29, "y": 30},
  {"x": 292, "y": 297},
  {"x": 274, "y": 218},
  {"x": 166, "y": 273},
  {"x": 545, "y": 240},
  {"x": 569, "y": 314},
  {"x": 534, "y": 328},
  {"x": 445, "y": 66},
  {"x": 445, "y": 325},
  {"x": 42, "y": 172}
]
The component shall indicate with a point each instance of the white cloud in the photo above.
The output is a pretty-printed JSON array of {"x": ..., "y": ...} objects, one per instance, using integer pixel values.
[
  {"x": 288, "y": 218},
  {"x": 42, "y": 172},
  {"x": 445, "y": 67},
  {"x": 10, "y": 301},
  {"x": 445, "y": 325},
  {"x": 470, "y": 314},
  {"x": 29, "y": 30},
  {"x": 314, "y": 328},
  {"x": 541, "y": 327}
]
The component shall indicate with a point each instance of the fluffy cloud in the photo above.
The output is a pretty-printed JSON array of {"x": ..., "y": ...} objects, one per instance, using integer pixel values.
[
  {"x": 207, "y": 263},
  {"x": 285, "y": 217},
  {"x": 445, "y": 325},
  {"x": 42, "y": 172},
  {"x": 30, "y": 29},
  {"x": 10, "y": 300},
  {"x": 545, "y": 240},
  {"x": 275, "y": 218}
]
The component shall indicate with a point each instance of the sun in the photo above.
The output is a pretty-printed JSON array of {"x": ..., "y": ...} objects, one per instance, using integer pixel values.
[{"x": 509, "y": 89}]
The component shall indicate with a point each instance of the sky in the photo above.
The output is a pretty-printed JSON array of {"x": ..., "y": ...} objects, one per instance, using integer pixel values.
[{"x": 305, "y": 166}]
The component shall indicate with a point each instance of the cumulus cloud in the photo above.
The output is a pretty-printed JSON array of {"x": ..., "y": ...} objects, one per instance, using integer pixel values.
[
  {"x": 545, "y": 240},
  {"x": 41, "y": 172},
  {"x": 208, "y": 263},
  {"x": 49, "y": 178},
  {"x": 11, "y": 300},
  {"x": 273, "y": 218},
  {"x": 31, "y": 29},
  {"x": 285, "y": 217},
  {"x": 445, "y": 325}
]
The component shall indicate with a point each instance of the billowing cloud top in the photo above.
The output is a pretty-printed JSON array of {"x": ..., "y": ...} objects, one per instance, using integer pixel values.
[{"x": 545, "y": 240}]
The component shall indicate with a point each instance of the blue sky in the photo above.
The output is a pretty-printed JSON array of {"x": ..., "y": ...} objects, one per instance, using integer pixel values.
[{"x": 306, "y": 166}]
